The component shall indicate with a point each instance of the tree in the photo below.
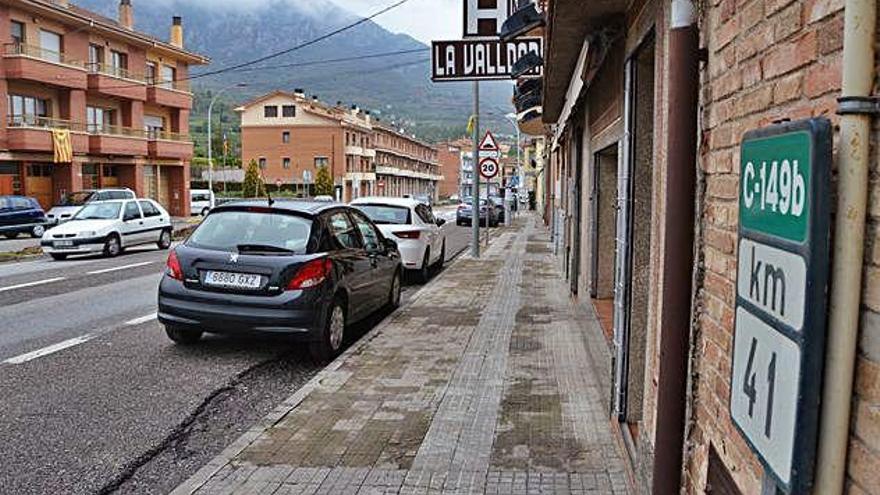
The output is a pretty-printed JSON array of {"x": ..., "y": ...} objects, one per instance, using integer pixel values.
[
  {"x": 323, "y": 182},
  {"x": 253, "y": 186}
]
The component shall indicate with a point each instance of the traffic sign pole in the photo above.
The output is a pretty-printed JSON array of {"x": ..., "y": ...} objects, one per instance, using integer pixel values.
[{"x": 475, "y": 208}]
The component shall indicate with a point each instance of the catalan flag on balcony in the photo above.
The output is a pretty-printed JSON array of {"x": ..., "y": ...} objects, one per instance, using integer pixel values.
[{"x": 62, "y": 145}]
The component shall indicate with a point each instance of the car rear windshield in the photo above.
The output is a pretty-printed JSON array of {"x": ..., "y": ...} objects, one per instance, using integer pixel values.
[
  {"x": 385, "y": 214},
  {"x": 277, "y": 232},
  {"x": 76, "y": 199},
  {"x": 99, "y": 211}
]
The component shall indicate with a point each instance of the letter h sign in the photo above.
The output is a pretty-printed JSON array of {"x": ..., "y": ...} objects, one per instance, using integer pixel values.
[{"x": 483, "y": 18}]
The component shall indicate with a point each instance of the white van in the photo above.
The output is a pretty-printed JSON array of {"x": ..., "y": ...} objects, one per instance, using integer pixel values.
[{"x": 201, "y": 201}]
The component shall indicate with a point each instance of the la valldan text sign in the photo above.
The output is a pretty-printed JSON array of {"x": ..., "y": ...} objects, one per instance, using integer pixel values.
[
  {"x": 481, "y": 59},
  {"x": 781, "y": 300}
]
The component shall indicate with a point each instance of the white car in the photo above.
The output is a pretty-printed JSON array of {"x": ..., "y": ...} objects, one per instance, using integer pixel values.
[
  {"x": 109, "y": 227},
  {"x": 72, "y": 202},
  {"x": 201, "y": 201},
  {"x": 411, "y": 223}
]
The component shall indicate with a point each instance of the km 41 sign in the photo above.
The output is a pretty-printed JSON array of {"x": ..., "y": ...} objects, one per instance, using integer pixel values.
[{"x": 782, "y": 275}]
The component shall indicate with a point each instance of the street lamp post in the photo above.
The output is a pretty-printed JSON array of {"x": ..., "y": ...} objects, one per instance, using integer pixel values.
[
  {"x": 211, "y": 138},
  {"x": 511, "y": 118}
]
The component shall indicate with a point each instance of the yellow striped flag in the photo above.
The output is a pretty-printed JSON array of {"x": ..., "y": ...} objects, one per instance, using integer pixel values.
[{"x": 62, "y": 145}]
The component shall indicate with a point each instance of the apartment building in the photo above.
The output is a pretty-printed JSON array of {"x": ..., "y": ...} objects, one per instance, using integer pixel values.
[
  {"x": 122, "y": 95},
  {"x": 290, "y": 136},
  {"x": 449, "y": 156},
  {"x": 644, "y": 110}
]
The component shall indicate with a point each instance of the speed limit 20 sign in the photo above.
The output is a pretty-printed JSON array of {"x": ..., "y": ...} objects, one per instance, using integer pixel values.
[
  {"x": 782, "y": 275},
  {"x": 489, "y": 167}
]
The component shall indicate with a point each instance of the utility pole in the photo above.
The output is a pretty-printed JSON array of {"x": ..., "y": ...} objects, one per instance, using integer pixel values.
[
  {"x": 211, "y": 137},
  {"x": 475, "y": 208}
]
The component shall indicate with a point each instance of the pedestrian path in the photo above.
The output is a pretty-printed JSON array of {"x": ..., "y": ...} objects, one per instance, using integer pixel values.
[{"x": 482, "y": 384}]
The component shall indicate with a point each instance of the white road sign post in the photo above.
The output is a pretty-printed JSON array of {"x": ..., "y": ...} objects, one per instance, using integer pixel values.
[{"x": 782, "y": 276}]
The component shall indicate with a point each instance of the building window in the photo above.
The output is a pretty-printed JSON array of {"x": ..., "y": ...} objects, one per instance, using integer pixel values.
[
  {"x": 321, "y": 161},
  {"x": 285, "y": 163},
  {"x": 169, "y": 75},
  {"x": 270, "y": 111},
  {"x": 152, "y": 71},
  {"x": 285, "y": 137},
  {"x": 27, "y": 110},
  {"x": 119, "y": 63},
  {"x": 16, "y": 30},
  {"x": 262, "y": 163},
  {"x": 99, "y": 119},
  {"x": 96, "y": 58},
  {"x": 288, "y": 111},
  {"x": 50, "y": 46},
  {"x": 154, "y": 126}
]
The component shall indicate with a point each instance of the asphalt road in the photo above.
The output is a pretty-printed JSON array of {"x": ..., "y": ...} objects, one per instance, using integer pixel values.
[{"x": 97, "y": 400}]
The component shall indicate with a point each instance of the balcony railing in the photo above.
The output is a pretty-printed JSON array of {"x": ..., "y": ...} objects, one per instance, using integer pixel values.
[
  {"x": 25, "y": 50},
  {"x": 48, "y": 123},
  {"x": 115, "y": 130},
  {"x": 157, "y": 135},
  {"x": 110, "y": 70}
]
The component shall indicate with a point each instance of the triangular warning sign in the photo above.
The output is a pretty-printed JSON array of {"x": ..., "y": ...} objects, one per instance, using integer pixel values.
[{"x": 488, "y": 143}]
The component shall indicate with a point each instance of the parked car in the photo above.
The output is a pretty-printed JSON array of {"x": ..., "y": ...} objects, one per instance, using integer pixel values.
[
  {"x": 21, "y": 215},
  {"x": 307, "y": 270},
  {"x": 324, "y": 198},
  {"x": 109, "y": 227},
  {"x": 464, "y": 213},
  {"x": 73, "y": 202},
  {"x": 201, "y": 201},
  {"x": 411, "y": 223}
]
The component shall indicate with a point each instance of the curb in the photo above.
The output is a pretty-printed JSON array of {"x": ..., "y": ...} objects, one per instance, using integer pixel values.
[{"x": 197, "y": 480}]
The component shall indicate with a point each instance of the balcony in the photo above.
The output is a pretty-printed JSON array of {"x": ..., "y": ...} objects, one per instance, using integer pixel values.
[
  {"x": 34, "y": 134},
  {"x": 169, "y": 145},
  {"x": 169, "y": 94},
  {"x": 117, "y": 82},
  {"x": 31, "y": 63},
  {"x": 117, "y": 140}
]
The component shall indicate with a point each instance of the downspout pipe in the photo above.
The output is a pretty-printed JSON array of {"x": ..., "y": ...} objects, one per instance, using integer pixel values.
[
  {"x": 860, "y": 18},
  {"x": 678, "y": 248}
]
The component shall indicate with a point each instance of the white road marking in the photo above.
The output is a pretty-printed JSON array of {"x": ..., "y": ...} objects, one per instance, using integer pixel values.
[
  {"x": 117, "y": 268},
  {"x": 142, "y": 319},
  {"x": 45, "y": 351},
  {"x": 32, "y": 284}
]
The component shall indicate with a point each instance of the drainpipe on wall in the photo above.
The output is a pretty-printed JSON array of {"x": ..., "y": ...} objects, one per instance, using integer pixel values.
[
  {"x": 678, "y": 249},
  {"x": 860, "y": 17}
]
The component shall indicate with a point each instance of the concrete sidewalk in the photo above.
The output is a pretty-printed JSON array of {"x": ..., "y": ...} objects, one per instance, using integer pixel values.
[{"x": 482, "y": 384}]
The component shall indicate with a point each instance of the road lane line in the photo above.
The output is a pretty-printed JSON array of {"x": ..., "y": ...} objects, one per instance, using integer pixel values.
[
  {"x": 32, "y": 284},
  {"x": 142, "y": 319},
  {"x": 45, "y": 351},
  {"x": 117, "y": 268}
]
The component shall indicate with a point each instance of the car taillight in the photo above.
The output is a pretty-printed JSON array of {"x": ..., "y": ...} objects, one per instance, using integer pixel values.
[
  {"x": 311, "y": 274},
  {"x": 172, "y": 267},
  {"x": 409, "y": 234}
]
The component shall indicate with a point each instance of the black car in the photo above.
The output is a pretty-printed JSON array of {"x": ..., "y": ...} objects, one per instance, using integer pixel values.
[
  {"x": 21, "y": 215},
  {"x": 302, "y": 269}
]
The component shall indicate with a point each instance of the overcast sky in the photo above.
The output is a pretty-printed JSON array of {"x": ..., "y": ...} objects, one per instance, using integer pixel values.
[{"x": 424, "y": 20}]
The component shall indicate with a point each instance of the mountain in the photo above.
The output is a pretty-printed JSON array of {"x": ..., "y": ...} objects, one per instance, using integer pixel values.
[{"x": 395, "y": 88}]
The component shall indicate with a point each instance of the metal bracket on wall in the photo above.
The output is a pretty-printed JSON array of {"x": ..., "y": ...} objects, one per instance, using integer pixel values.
[{"x": 858, "y": 105}]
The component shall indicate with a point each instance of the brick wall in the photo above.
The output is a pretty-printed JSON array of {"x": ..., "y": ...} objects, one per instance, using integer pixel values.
[
  {"x": 449, "y": 157},
  {"x": 768, "y": 59},
  {"x": 305, "y": 144}
]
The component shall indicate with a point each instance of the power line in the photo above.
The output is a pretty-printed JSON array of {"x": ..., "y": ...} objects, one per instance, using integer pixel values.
[{"x": 334, "y": 60}]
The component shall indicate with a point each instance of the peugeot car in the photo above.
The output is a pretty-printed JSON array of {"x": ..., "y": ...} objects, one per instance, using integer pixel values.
[{"x": 302, "y": 269}]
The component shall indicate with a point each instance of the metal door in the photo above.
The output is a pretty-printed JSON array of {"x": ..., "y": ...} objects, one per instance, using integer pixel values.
[
  {"x": 577, "y": 162},
  {"x": 623, "y": 259},
  {"x": 594, "y": 227}
]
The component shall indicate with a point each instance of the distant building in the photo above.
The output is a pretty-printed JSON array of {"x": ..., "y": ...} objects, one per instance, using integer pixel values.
[
  {"x": 122, "y": 95},
  {"x": 449, "y": 154},
  {"x": 290, "y": 136}
]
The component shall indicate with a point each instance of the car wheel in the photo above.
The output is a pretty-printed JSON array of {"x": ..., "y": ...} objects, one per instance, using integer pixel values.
[
  {"x": 38, "y": 231},
  {"x": 183, "y": 336},
  {"x": 112, "y": 248},
  {"x": 332, "y": 334},
  {"x": 10, "y": 235},
  {"x": 205, "y": 211},
  {"x": 58, "y": 257},
  {"x": 442, "y": 259},
  {"x": 394, "y": 296},
  {"x": 164, "y": 240},
  {"x": 424, "y": 273}
]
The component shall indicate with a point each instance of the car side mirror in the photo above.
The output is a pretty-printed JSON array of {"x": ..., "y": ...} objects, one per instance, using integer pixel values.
[
  {"x": 441, "y": 222},
  {"x": 390, "y": 244}
]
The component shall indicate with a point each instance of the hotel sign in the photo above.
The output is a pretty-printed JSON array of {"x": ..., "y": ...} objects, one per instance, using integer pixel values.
[
  {"x": 782, "y": 278},
  {"x": 481, "y": 59},
  {"x": 485, "y": 17}
]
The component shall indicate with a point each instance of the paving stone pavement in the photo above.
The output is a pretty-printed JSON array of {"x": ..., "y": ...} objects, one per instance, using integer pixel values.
[{"x": 481, "y": 385}]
